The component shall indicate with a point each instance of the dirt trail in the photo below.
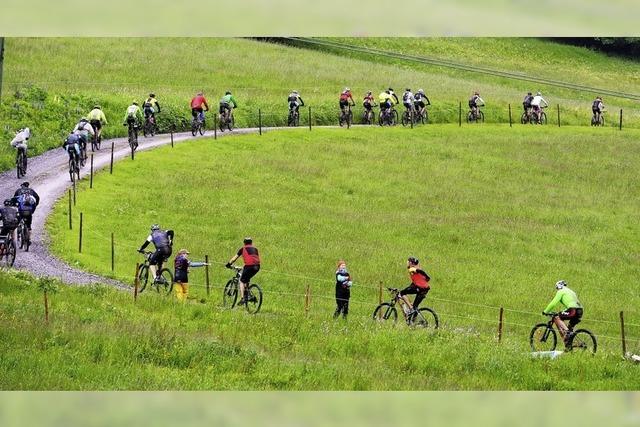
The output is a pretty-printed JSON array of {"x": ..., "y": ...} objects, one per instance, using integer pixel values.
[{"x": 48, "y": 174}]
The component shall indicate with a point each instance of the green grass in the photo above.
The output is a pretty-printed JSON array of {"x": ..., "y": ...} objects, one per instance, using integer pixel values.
[
  {"x": 496, "y": 214},
  {"x": 262, "y": 74}
]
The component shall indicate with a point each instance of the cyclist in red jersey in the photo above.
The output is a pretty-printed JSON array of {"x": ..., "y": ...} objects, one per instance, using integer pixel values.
[
  {"x": 419, "y": 284},
  {"x": 197, "y": 103},
  {"x": 345, "y": 97},
  {"x": 251, "y": 258}
]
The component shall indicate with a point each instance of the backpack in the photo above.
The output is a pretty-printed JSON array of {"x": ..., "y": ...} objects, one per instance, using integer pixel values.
[
  {"x": 9, "y": 217},
  {"x": 26, "y": 202},
  {"x": 596, "y": 104}
]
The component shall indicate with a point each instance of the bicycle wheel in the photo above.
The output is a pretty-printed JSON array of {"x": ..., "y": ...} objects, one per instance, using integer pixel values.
[
  {"x": 381, "y": 119},
  {"x": 405, "y": 118},
  {"x": 166, "y": 281},
  {"x": 524, "y": 119},
  {"x": 470, "y": 117},
  {"x": 296, "y": 119},
  {"x": 254, "y": 298},
  {"x": 543, "y": 338},
  {"x": 601, "y": 123},
  {"x": 143, "y": 277},
  {"x": 194, "y": 127},
  {"x": 145, "y": 129},
  {"x": 480, "y": 116},
  {"x": 341, "y": 119},
  {"x": 384, "y": 312},
  {"x": 99, "y": 138},
  {"x": 231, "y": 122},
  {"x": 424, "y": 118},
  {"x": 202, "y": 127},
  {"x": 583, "y": 341},
  {"x": 425, "y": 318},
  {"x": 221, "y": 122},
  {"x": 394, "y": 118},
  {"x": 135, "y": 138},
  {"x": 543, "y": 118},
  {"x": 8, "y": 255},
  {"x": 27, "y": 238},
  {"x": 230, "y": 294}
]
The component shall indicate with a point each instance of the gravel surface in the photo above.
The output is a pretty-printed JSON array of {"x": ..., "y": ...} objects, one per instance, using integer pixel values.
[{"x": 48, "y": 174}]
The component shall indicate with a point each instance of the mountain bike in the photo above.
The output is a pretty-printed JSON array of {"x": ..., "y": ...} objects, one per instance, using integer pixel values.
[
  {"x": 527, "y": 116},
  {"x": 294, "y": 117},
  {"x": 408, "y": 117},
  {"x": 163, "y": 280},
  {"x": 543, "y": 337},
  {"x": 597, "y": 120},
  {"x": 24, "y": 235},
  {"x": 96, "y": 140},
  {"x": 74, "y": 168},
  {"x": 421, "y": 115},
  {"x": 21, "y": 163},
  {"x": 476, "y": 116},
  {"x": 7, "y": 252},
  {"x": 368, "y": 116},
  {"x": 542, "y": 120},
  {"x": 149, "y": 128},
  {"x": 425, "y": 317},
  {"x": 83, "y": 154},
  {"x": 198, "y": 124},
  {"x": 345, "y": 117},
  {"x": 226, "y": 120},
  {"x": 388, "y": 117},
  {"x": 253, "y": 293},
  {"x": 132, "y": 135}
]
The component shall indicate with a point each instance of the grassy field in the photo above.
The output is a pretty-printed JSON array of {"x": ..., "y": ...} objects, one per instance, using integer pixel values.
[
  {"x": 49, "y": 83},
  {"x": 496, "y": 214}
]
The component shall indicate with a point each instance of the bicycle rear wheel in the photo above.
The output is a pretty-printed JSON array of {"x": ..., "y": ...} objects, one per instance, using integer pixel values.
[
  {"x": 166, "y": 281},
  {"x": 254, "y": 298},
  {"x": 524, "y": 119},
  {"x": 9, "y": 255},
  {"x": 231, "y": 122},
  {"x": 583, "y": 341},
  {"x": 543, "y": 338},
  {"x": 543, "y": 118},
  {"x": 27, "y": 238},
  {"x": 425, "y": 318},
  {"x": 480, "y": 116},
  {"x": 143, "y": 278},
  {"x": 194, "y": 128},
  {"x": 385, "y": 312},
  {"x": 405, "y": 118},
  {"x": 230, "y": 294}
]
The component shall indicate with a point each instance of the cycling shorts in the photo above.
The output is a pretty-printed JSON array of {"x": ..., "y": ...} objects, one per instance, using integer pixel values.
[
  {"x": 224, "y": 106},
  {"x": 248, "y": 272},
  {"x": 385, "y": 105},
  {"x": 97, "y": 124},
  {"x": 293, "y": 105},
  {"x": 148, "y": 112},
  {"x": 160, "y": 255},
  {"x": 407, "y": 105},
  {"x": 196, "y": 111},
  {"x": 596, "y": 110},
  {"x": 420, "y": 104},
  {"x": 573, "y": 315},
  {"x": 367, "y": 106},
  {"x": 28, "y": 217},
  {"x": 413, "y": 289},
  {"x": 344, "y": 103}
]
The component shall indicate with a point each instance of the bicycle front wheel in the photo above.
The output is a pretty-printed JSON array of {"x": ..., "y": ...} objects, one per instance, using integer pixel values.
[
  {"x": 583, "y": 341},
  {"x": 9, "y": 256},
  {"x": 230, "y": 295},
  {"x": 425, "y": 318},
  {"x": 405, "y": 119},
  {"x": 143, "y": 278},
  {"x": 26, "y": 238},
  {"x": 384, "y": 312},
  {"x": 254, "y": 298},
  {"x": 543, "y": 118},
  {"x": 480, "y": 116},
  {"x": 543, "y": 338},
  {"x": 166, "y": 281},
  {"x": 231, "y": 123}
]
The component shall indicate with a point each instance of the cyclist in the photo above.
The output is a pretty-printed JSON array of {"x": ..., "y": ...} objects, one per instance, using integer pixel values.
[
  {"x": 97, "y": 119},
  {"x": 535, "y": 104},
  {"x": 227, "y": 103},
  {"x": 27, "y": 200},
  {"x": 419, "y": 285},
  {"x": 386, "y": 101},
  {"x": 572, "y": 308},
  {"x": 368, "y": 101},
  {"x": 395, "y": 97},
  {"x": 526, "y": 102},
  {"x": 163, "y": 242},
  {"x": 133, "y": 116},
  {"x": 295, "y": 101},
  {"x": 408, "y": 99},
  {"x": 251, "y": 258},
  {"x": 197, "y": 102},
  {"x": 72, "y": 145},
  {"x": 9, "y": 217},
  {"x": 181, "y": 276},
  {"x": 597, "y": 108},
  {"x": 419, "y": 101},
  {"x": 345, "y": 97},
  {"x": 474, "y": 102},
  {"x": 343, "y": 290},
  {"x": 19, "y": 142},
  {"x": 150, "y": 107},
  {"x": 84, "y": 129}
]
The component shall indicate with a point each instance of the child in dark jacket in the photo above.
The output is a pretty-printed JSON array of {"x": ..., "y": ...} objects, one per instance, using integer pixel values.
[
  {"x": 343, "y": 290},
  {"x": 181, "y": 276}
]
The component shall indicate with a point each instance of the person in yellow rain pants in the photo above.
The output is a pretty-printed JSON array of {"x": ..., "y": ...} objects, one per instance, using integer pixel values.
[{"x": 181, "y": 276}]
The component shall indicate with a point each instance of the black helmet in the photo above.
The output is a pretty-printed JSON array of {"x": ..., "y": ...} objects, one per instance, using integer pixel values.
[
  {"x": 413, "y": 260},
  {"x": 152, "y": 95},
  {"x": 8, "y": 202},
  {"x": 155, "y": 227},
  {"x": 25, "y": 184},
  {"x": 227, "y": 93},
  {"x": 247, "y": 240},
  {"x": 390, "y": 89},
  {"x": 408, "y": 90}
]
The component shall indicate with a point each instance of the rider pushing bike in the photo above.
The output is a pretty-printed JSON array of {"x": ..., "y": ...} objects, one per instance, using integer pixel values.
[{"x": 251, "y": 258}]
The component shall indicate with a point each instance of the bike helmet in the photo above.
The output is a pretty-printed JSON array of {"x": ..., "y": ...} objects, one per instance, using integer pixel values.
[
  {"x": 346, "y": 89},
  {"x": 560, "y": 284},
  {"x": 155, "y": 227},
  {"x": 96, "y": 107},
  {"x": 476, "y": 93},
  {"x": 227, "y": 93},
  {"x": 413, "y": 260},
  {"x": 27, "y": 133},
  {"x": 152, "y": 95},
  {"x": 295, "y": 91},
  {"x": 538, "y": 94},
  {"x": 134, "y": 103},
  {"x": 408, "y": 90},
  {"x": 420, "y": 91},
  {"x": 25, "y": 184},
  {"x": 390, "y": 89},
  {"x": 529, "y": 93},
  {"x": 368, "y": 92},
  {"x": 247, "y": 240},
  {"x": 7, "y": 202}
]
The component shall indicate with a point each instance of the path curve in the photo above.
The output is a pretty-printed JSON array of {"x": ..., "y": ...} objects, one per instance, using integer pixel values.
[{"x": 48, "y": 174}]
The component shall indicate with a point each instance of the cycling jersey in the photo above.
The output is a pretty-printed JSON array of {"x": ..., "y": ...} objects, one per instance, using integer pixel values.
[
  {"x": 386, "y": 98},
  {"x": 250, "y": 255},
  {"x": 160, "y": 239},
  {"x": 229, "y": 100},
  {"x": 420, "y": 97},
  {"x": 475, "y": 100},
  {"x": 597, "y": 105},
  {"x": 97, "y": 115},
  {"x": 198, "y": 102},
  {"x": 295, "y": 100},
  {"x": 565, "y": 297},
  {"x": 29, "y": 191},
  {"x": 527, "y": 100},
  {"x": 346, "y": 96},
  {"x": 133, "y": 113},
  {"x": 407, "y": 98},
  {"x": 151, "y": 103},
  {"x": 419, "y": 277},
  {"x": 535, "y": 102}
]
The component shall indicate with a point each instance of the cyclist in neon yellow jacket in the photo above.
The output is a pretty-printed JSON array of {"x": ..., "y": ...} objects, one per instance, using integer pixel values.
[
  {"x": 97, "y": 119},
  {"x": 572, "y": 309},
  {"x": 133, "y": 115}
]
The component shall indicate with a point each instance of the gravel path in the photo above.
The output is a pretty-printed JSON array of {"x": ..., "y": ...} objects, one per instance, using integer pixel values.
[{"x": 48, "y": 174}]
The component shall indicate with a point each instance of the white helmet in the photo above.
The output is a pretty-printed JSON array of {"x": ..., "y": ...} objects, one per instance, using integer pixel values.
[
  {"x": 27, "y": 133},
  {"x": 420, "y": 91},
  {"x": 539, "y": 94},
  {"x": 560, "y": 284}
]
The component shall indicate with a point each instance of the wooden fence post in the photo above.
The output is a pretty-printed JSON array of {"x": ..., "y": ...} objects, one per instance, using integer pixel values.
[
  {"x": 46, "y": 307},
  {"x": 309, "y": 117},
  {"x": 91, "y": 182},
  {"x": 113, "y": 254},
  {"x": 306, "y": 299},
  {"x": 260, "y": 121},
  {"x": 136, "y": 283},
  {"x": 215, "y": 126},
  {"x": 624, "y": 342},
  {"x": 460, "y": 114},
  {"x": 621, "y": 119},
  {"x": 111, "y": 166},
  {"x": 74, "y": 192},
  {"x": 80, "y": 235},
  {"x": 558, "y": 115},
  {"x": 172, "y": 129},
  {"x": 500, "y": 324},
  {"x": 510, "y": 120},
  {"x": 70, "y": 213},
  {"x": 206, "y": 272}
]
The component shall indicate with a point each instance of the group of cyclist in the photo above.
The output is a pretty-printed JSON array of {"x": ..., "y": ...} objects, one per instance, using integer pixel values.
[
  {"x": 533, "y": 106},
  {"x": 199, "y": 106},
  {"x": 21, "y": 206}
]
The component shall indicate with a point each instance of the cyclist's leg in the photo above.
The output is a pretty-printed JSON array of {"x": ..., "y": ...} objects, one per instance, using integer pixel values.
[
  {"x": 245, "y": 278},
  {"x": 409, "y": 290},
  {"x": 420, "y": 295}
]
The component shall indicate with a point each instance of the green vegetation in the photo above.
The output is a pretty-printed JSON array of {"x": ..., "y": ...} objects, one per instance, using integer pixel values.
[
  {"x": 496, "y": 214},
  {"x": 49, "y": 82}
]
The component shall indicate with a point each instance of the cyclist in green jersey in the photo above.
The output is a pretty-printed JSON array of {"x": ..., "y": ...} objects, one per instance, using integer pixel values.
[
  {"x": 227, "y": 102},
  {"x": 572, "y": 309}
]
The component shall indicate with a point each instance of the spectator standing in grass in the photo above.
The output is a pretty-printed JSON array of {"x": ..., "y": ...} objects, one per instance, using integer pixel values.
[{"x": 343, "y": 290}]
